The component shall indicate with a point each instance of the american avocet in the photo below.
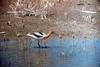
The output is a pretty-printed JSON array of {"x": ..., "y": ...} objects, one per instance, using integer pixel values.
[{"x": 40, "y": 35}]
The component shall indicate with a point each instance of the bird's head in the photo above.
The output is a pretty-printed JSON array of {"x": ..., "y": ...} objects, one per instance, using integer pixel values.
[{"x": 50, "y": 32}]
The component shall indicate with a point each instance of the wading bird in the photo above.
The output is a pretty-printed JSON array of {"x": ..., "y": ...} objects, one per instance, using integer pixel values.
[{"x": 40, "y": 36}]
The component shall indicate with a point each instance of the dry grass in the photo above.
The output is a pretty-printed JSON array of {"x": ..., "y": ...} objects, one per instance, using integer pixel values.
[{"x": 32, "y": 7}]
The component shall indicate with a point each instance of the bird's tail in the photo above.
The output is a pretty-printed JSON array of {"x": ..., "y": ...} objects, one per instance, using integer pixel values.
[{"x": 28, "y": 34}]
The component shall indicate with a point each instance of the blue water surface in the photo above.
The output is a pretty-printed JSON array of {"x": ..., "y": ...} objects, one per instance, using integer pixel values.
[{"x": 60, "y": 53}]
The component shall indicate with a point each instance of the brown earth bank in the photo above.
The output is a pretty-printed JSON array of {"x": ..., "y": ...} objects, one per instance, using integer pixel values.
[{"x": 67, "y": 19}]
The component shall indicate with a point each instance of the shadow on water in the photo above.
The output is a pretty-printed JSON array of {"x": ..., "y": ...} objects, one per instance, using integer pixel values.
[{"x": 61, "y": 53}]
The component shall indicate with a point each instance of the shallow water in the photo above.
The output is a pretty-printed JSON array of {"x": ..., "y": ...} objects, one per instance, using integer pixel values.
[{"x": 60, "y": 53}]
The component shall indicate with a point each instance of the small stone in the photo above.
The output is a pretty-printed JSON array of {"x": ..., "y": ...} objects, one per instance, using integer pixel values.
[
  {"x": 62, "y": 53},
  {"x": 65, "y": 13},
  {"x": 19, "y": 35},
  {"x": 60, "y": 36},
  {"x": 9, "y": 23},
  {"x": 73, "y": 36},
  {"x": 80, "y": 4},
  {"x": 2, "y": 32}
]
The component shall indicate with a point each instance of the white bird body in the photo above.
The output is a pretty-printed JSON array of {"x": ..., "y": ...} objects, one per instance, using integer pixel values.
[{"x": 37, "y": 35}]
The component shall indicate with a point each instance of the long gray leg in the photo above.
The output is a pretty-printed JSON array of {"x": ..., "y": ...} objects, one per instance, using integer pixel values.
[{"x": 39, "y": 43}]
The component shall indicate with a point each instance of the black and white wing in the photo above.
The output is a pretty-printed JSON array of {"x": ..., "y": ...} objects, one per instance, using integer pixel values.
[{"x": 37, "y": 35}]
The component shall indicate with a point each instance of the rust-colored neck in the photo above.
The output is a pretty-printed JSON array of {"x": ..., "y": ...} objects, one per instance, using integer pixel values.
[{"x": 48, "y": 34}]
